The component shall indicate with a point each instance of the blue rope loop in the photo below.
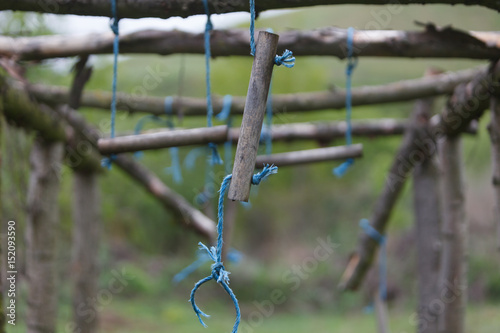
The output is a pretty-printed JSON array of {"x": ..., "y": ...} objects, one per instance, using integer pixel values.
[
  {"x": 352, "y": 62},
  {"x": 382, "y": 241},
  {"x": 286, "y": 59},
  {"x": 252, "y": 27},
  {"x": 219, "y": 273}
]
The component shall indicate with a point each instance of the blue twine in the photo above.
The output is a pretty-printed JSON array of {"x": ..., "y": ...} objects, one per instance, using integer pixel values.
[
  {"x": 219, "y": 273},
  {"x": 286, "y": 59},
  {"x": 381, "y": 240},
  {"x": 208, "y": 54},
  {"x": 175, "y": 168},
  {"x": 252, "y": 27},
  {"x": 341, "y": 170},
  {"x": 106, "y": 162},
  {"x": 233, "y": 256}
]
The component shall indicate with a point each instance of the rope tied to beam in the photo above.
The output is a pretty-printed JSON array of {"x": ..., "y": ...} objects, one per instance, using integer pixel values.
[
  {"x": 352, "y": 62},
  {"x": 381, "y": 240},
  {"x": 114, "y": 25},
  {"x": 210, "y": 111},
  {"x": 219, "y": 273}
]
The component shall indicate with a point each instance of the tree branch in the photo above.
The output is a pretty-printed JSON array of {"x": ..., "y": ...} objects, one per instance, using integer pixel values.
[
  {"x": 185, "y": 8},
  {"x": 447, "y": 43},
  {"x": 468, "y": 102},
  {"x": 390, "y": 93}
]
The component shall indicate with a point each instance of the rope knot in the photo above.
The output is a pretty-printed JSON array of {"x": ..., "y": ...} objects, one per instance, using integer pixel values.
[
  {"x": 266, "y": 172},
  {"x": 113, "y": 24},
  {"x": 219, "y": 273},
  {"x": 286, "y": 59},
  {"x": 215, "y": 154}
]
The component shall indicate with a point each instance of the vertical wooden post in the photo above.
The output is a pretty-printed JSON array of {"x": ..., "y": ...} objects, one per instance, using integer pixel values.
[
  {"x": 41, "y": 236},
  {"x": 381, "y": 313},
  {"x": 453, "y": 279},
  {"x": 494, "y": 129},
  {"x": 426, "y": 202},
  {"x": 253, "y": 116}
]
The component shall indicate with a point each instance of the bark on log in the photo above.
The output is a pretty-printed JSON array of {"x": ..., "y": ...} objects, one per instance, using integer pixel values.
[
  {"x": 390, "y": 93},
  {"x": 86, "y": 240},
  {"x": 447, "y": 43},
  {"x": 41, "y": 236},
  {"x": 310, "y": 156},
  {"x": 426, "y": 200},
  {"x": 164, "y": 139},
  {"x": 453, "y": 273},
  {"x": 494, "y": 129},
  {"x": 175, "y": 203},
  {"x": 185, "y": 8},
  {"x": 466, "y": 104}
]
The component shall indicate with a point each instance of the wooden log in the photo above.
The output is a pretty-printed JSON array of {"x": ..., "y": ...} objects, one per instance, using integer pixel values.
[
  {"x": 185, "y": 8},
  {"x": 41, "y": 236},
  {"x": 453, "y": 272},
  {"x": 426, "y": 202},
  {"x": 310, "y": 156},
  {"x": 174, "y": 138},
  {"x": 447, "y": 43},
  {"x": 494, "y": 129},
  {"x": 466, "y": 104},
  {"x": 253, "y": 116},
  {"x": 401, "y": 91}
]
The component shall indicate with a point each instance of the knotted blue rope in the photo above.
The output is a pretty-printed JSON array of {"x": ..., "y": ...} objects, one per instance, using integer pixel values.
[
  {"x": 210, "y": 111},
  {"x": 233, "y": 256},
  {"x": 351, "y": 64},
  {"x": 106, "y": 162},
  {"x": 219, "y": 273},
  {"x": 286, "y": 59},
  {"x": 225, "y": 114},
  {"x": 381, "y": 240},
  {"x": 175, "y": 168}
]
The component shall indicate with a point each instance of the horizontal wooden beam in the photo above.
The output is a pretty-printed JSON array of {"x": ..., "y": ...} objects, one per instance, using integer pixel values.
[
  {"x": 310, "y": 156},
  {"x": 185, "y": 8},
  {"x": 174, "y": 138},
  {"x": 446, "y": 42},
  {"x": 401, "y": 91}
]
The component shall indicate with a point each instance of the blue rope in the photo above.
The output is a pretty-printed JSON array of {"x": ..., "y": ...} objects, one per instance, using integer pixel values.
[
  {"x": 381, "y": 240},
  {"x": 210, "y": 110},
  {"x": 106, "y": 162},
  {"x": 233, "y": 256},
  {"x": 219, "y": 273},
  {"x": 225, "y": 114},
  {"x": 175, "y": 168},
  {"x": 287, "y": 59},
  {"x": 351, "y": 64},
  {"x": 252, "y": 27}
]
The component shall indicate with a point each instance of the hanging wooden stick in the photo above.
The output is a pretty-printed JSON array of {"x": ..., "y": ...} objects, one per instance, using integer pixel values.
[{"x": 253, "y": 116}]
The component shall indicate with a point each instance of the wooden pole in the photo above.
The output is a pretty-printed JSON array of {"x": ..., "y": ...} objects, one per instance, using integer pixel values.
[
  {"x": 453, "y": 273},
  {"x": 253, "y": 116},
  {"x": 41, "y": 236},
  {"x": 174, "y": 138},
  {"x": 494, "y": 129},
  {"x": 381, "y": 312},
  {"x": 426, "y": 202},
  {"x": 310, "y": 156}
]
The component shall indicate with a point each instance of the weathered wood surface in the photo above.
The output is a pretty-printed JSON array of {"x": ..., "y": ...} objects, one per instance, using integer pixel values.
[
  {"x": 494, "y": 129},
  {"x": 401, "y": 91},
  {"x": 453, "y": 271},
  {"x": 253, "y": 116},
  {"x": 310, "y": 156},
  {"x": 447, "y": 43},
  {"x": 41, "y": 236},
  {"x": 165, "y": 139},
  {"x": 185, "y": 8}
]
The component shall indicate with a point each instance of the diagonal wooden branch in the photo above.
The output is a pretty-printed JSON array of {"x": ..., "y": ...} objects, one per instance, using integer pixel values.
[
  {"x": 447, "y": 43},
  {"x": 185, "y": 8},
  {"x": 390, "y": 93},
  {"x": 468, "y": 102}
]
